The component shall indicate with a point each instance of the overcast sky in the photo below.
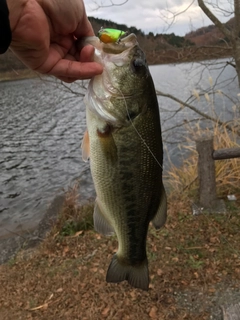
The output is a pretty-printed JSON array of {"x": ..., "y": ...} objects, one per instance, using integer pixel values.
[{"x": 154, "y": 15}]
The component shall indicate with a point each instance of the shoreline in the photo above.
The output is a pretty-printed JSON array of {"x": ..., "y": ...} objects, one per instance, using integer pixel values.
[
  {"x": 23, "y": 74},
  {"x": 11, "y": 243}
]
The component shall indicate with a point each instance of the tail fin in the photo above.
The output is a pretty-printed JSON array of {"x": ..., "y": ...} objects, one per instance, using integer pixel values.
[{"x": 137, "y": 276}]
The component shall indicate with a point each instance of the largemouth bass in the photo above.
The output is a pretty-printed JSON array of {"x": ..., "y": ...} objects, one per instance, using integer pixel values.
[{"x": 123, "y": 141}]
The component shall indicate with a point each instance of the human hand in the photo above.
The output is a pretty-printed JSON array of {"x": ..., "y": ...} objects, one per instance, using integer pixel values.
[{"x": 44, "y": 34}]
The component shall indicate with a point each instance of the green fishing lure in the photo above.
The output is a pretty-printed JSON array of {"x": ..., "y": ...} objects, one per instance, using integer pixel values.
[{"x": 108, "y": 35}]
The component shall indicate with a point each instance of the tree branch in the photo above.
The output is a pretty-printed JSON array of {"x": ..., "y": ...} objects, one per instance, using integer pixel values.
[
  {"x": 112, "y": 4},
  {"x": 215, "y": 20},
  {"x": 206, "y": 116}
]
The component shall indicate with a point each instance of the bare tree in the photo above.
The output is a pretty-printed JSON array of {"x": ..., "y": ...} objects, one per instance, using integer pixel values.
[{"x": 233, "y": 35}]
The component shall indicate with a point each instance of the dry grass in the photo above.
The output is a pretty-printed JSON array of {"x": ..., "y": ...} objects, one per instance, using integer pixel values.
[
  {"x": 74, "y": 218},
  {"x": 183, "y": 180}
]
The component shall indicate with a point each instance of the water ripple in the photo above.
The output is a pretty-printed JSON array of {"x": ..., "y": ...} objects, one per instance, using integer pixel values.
[{"x": 40, "y": 135}]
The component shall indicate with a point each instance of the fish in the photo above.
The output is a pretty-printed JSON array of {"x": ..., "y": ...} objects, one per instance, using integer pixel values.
[{"x": 124, "y": 145}]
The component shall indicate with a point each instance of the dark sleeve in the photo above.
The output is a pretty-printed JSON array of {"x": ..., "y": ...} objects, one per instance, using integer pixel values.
[{"x": 5, "y": 30}]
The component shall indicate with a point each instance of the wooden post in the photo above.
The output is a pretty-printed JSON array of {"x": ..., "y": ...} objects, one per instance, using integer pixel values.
[{"x": 206, "y": 171}]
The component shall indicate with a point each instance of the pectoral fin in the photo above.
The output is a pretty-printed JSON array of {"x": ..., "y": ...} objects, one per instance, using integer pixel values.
[
  {"x": 101, "y": 224},
  {"x": 85, "y": 147},
  {"x": 161, "y": 215}
]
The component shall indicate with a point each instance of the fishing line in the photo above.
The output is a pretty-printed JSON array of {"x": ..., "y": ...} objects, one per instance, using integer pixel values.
[
  {"x": 141, "y": 138},
  {"x": 224, "y": 238},
  {"x": 236, "y": 251}
]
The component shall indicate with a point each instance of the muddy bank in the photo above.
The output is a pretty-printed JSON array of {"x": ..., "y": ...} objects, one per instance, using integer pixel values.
[{"x": 11, "y": 244}]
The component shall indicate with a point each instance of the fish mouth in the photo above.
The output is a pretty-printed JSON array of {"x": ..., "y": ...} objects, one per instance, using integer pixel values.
[
  {"x": 102, "y": 88},
  {"x": 111, "y": 55}
]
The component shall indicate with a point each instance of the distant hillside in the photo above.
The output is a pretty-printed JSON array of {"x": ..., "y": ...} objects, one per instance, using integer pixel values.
[
  {"x": 170, "y": 48},
  {"x": 209, "y": 35},
  {"x": 159, "y": 48},
  {"x": 148, "y": 42}
]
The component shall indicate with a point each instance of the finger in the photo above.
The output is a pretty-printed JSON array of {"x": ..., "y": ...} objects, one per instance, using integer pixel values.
[
  {"x": 86, "y": 54},
  {"x": 77, "y": 70},
  {"x": 68, "y": 80},
  {"x": 83, "y": 55}
]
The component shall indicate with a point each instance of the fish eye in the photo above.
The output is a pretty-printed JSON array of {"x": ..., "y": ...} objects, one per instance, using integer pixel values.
[{"x": 138, "y": 65}]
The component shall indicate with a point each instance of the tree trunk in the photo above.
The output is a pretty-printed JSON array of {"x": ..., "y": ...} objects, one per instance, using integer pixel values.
[
  {"x": 236, "y": 50},
  {"x": 236, "y": 38}
]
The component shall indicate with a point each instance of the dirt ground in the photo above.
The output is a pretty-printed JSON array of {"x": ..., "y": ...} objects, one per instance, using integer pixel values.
[{"x": 194, "y": 267}]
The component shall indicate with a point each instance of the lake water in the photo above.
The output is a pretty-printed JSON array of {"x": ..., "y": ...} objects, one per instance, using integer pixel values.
[{"x": 42, "y": 125}]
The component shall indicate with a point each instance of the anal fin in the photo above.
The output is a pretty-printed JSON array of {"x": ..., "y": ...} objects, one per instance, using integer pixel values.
[{"x": 161, "y": 216}]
